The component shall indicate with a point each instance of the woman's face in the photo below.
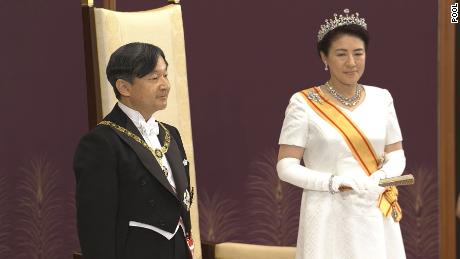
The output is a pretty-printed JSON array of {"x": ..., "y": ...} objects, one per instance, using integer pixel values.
[{"x": 346, "y": 60}]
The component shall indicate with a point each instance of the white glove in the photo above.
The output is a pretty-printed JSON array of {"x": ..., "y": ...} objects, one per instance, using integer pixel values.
[
  {"x": 346, "y": 181},
  {"x": 394, "y": 164},
  {"x": 372, "y": 189},
  {"x": 290, "y": 170},
  {"x": 377, "y": 176},
  {"x": 371, "y": 183}
]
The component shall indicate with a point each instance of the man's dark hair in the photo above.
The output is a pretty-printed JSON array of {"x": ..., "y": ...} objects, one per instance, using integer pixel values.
[
  {"x": 132, "y": 60},
  {"x": 354, "y": 30}
]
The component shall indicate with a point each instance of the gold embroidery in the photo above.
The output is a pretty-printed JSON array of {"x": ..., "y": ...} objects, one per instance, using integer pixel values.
[{"x": 157, "y": 153}]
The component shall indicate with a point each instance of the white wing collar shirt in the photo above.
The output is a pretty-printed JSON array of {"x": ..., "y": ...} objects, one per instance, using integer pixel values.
[{"x": 149, "y": 130}]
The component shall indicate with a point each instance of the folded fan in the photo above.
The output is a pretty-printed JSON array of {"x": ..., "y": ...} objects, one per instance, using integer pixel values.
[{"x": 406, "y": 179}]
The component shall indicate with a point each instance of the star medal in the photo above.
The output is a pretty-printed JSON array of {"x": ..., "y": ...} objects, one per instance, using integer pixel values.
[{"x": 186, "y": 200}]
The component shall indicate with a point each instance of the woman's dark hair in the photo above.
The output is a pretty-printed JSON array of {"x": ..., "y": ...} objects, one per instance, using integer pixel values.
[
  {"x": 351, "y": 29},
  {"x": 132, "y": 60}
]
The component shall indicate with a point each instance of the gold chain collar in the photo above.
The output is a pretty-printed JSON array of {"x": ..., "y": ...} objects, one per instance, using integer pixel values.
[{"x": 157, "y": 153}]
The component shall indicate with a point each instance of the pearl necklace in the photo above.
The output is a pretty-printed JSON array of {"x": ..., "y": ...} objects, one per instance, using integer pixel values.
[{"x": 350, "y": 102}]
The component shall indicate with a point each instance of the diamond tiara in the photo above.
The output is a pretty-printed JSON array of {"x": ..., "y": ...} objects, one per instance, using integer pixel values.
[{"x": 340, "y": 21}]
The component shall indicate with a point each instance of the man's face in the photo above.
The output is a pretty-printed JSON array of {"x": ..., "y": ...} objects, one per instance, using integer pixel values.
[{"x": 149, "y": 94}]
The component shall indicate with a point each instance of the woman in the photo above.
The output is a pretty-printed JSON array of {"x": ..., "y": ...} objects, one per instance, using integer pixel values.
[{"x": 349, "y": 138}]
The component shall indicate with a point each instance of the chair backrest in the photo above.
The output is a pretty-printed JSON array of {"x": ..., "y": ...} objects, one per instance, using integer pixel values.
[{"x": 163, "y": 28}]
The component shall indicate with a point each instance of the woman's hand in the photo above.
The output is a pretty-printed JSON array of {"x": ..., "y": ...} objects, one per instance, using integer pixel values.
[
  {"x": 377, "y": 176},
  {"x": 346, "y": 183},
  {"x": 362, "y": 184}
]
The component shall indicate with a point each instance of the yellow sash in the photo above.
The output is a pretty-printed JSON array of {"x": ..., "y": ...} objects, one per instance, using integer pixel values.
[{"x": 359, "y": 145}]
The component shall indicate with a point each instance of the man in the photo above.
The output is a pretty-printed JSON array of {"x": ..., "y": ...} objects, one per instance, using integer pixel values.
[{"x": 133, "y": 190}]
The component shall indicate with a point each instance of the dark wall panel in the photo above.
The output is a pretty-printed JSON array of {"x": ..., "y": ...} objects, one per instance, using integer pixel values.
[
  {"x": 43, "y": 115},
  {"x": 245, "y": 59}
]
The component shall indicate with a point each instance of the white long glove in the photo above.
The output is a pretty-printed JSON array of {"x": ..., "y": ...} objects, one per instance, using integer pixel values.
[
  {"x": 371, "y": 192},
  {"x": 290, "y": 170},
  {"x": 394, "y": 165}
]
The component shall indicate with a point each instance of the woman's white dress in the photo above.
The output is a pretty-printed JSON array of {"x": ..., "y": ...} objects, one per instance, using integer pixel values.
[{"x": 341, "y": 226}]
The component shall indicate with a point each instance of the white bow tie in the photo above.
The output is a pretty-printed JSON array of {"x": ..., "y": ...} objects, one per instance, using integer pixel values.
[{"x": 149, "y": 129}]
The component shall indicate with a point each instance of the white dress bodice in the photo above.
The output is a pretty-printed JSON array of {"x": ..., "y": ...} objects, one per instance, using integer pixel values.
[{"x": 339, "y": 226}]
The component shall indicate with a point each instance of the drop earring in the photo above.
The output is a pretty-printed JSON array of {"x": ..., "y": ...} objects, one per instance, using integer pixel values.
[{"x": 325, "y": 67}]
